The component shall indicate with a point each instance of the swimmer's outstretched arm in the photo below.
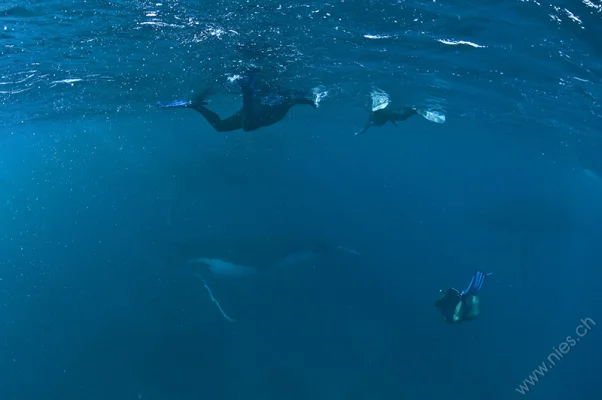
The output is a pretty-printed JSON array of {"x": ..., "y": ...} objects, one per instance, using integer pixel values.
[
  {"x": 304, "y": 100},
  {"x": 368, "y": 125}
]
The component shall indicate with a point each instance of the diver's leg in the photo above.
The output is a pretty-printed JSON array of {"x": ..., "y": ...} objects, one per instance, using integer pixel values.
[
  {"x": 474, "y": 307},
  {"x": 231, "y": 123},
  {"x": 459, "y": 311}
]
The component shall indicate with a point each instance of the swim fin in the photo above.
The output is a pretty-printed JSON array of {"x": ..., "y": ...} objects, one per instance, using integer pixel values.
[
  {"x": 476, "y": 283},
  {"x": 175, "y": 104}
]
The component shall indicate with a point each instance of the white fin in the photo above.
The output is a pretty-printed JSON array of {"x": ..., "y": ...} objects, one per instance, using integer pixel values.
[
  {"x": 225, "y": 268},
  {"x": 380, "y": 99},
  {"x": 433, "y": 116}
]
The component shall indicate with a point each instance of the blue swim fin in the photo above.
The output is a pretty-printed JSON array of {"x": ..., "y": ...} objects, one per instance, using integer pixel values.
[
  {"x": 175, "y": 104},
  {"x": 476, "y": 283}
]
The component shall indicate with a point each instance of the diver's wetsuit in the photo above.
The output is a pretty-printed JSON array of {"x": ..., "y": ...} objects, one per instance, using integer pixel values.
[
  {"x": 387, "y": 114},
  {"x": 258, "y": 109},
  {"x": 456, "y": 306},
  {"x": 447, "y": 304}
]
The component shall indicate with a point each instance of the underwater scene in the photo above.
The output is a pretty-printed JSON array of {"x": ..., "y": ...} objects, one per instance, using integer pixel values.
[{"x": 300, "y": 200}]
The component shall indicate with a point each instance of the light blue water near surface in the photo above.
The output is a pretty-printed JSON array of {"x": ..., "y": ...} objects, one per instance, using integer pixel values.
[{"x": 106, "y": 199}]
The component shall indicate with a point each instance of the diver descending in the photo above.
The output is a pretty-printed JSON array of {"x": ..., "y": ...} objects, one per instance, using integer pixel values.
[
  {"x": 456, "y": 306},
  {"x": 388, "y": 114},
  {"x": 259, "y": 108}
]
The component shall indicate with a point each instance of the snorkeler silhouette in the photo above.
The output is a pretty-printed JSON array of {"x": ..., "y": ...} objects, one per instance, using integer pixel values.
[
  {"x": 456, "y": 306},
  {"x": 259, "y": 108},
  {"x": 388, "y": 114}
]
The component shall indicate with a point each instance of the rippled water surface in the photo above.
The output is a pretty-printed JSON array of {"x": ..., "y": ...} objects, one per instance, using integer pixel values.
[
  {"x": 524, "y": 60},
  {"x": 146, "y": 256}
]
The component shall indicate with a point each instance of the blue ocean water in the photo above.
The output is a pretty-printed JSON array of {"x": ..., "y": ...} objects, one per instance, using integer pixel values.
[{"x": 325, "y": 250}]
